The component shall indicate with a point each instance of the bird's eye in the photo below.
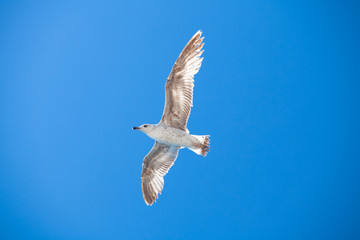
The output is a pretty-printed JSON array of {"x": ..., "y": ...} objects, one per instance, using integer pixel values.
[{"x": 145, "y": 125}]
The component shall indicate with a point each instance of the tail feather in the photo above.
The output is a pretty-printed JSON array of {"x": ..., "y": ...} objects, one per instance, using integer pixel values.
[{"x": 203, "y": 145}]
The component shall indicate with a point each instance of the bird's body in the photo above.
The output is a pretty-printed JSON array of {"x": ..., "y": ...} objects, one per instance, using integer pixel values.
[{"x": 171, "y": 134}]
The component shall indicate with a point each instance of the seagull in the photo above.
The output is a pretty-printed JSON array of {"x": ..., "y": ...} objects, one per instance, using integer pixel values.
[{"x": 171, "y": 133}]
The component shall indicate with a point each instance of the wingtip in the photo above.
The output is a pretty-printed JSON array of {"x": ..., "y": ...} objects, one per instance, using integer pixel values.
[
  {"x": 149, "y": 201},
  {"x": 198, "y": 33}
]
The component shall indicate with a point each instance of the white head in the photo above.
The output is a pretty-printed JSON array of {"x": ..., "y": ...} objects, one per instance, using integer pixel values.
[{"x": 145, "y": 128}]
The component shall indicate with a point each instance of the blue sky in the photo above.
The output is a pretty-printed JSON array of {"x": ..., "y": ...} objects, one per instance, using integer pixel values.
[{"x": 277, "y": 91}]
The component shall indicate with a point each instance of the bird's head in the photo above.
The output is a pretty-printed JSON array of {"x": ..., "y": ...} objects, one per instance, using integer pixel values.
[{"x": 144, "y": 128}]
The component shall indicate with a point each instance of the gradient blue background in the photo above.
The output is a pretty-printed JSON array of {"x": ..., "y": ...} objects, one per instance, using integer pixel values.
[{"x": 278, "y": 92}]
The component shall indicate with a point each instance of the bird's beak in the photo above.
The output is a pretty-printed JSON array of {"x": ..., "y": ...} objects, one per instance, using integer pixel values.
[{"x": 136, "y": 128}]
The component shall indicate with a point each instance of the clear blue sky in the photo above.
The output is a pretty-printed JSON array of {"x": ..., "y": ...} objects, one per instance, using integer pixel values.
[{"x": 278, "y": 91}]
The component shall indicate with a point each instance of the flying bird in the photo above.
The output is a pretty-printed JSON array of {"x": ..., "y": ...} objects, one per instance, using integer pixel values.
[{"x": 171, "y": 134}]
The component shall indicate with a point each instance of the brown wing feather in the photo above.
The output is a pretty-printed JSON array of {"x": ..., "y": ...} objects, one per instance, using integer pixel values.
[
  {"x": 180, "y": 83},
  {"x": 155, "y": 165}
]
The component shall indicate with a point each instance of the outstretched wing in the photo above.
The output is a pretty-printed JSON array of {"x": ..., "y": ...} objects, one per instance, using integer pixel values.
[
  {"x": 155, "y": 165},
  {"x": 180, "y": 83}
]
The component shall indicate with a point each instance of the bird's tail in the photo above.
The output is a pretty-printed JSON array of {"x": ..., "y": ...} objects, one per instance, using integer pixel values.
[{"x": 202, "y": 145}]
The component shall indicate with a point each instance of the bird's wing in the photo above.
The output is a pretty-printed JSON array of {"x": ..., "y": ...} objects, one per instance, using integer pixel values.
[
  {"x": 180, "y": 83},
  {"x": 155, "y": 165}
]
